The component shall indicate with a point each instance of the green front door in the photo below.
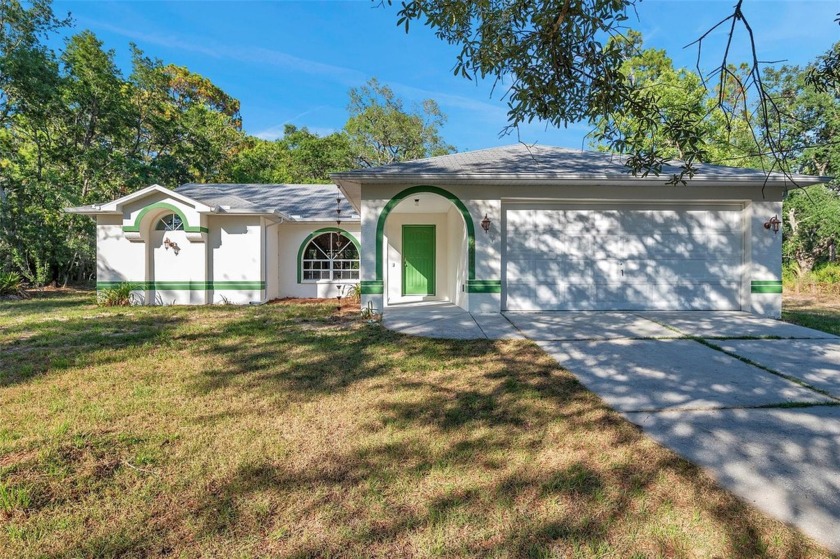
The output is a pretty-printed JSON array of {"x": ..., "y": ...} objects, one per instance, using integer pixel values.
[{"x": 418, "y": 242}]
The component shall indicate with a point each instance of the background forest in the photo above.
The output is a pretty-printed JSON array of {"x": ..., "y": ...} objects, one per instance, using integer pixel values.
[{"x": 76, "y": 129}]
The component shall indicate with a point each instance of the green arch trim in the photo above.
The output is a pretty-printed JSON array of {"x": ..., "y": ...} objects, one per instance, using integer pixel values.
[
  {"x": 392, "y": 203},
  {"x": 163, "y": 206},
  {"x": 315, "y": 234}
]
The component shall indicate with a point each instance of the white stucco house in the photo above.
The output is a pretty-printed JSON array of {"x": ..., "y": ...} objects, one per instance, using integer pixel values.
[
  {"x": 237, "y": 243},
  {"x": 513, "y": 228}
]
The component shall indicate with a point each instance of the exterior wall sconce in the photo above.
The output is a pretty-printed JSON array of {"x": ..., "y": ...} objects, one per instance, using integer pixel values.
[
  {"x": 417, "y": 201},
  {"x": 773, "y": 223},
  {"x": 167, "y": 244},
  {"x": 485, "y": 223}
]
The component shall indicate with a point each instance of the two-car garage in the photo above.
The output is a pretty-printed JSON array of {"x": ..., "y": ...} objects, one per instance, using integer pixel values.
[{"x": 622, "y": 256}]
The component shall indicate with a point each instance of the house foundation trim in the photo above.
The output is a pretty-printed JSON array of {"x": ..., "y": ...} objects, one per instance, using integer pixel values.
[
  {"x": 185, "y": 285},
  {"x": 766, "y": 286},
  {"x": 372, "y": 287},
  {"x": 484, "y": 286}
]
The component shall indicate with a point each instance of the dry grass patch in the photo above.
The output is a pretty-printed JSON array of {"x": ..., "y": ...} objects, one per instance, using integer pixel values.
[{"x": 286, "y": 430}]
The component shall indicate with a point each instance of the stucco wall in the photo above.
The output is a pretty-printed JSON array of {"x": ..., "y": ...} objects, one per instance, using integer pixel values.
[
  {"x": 394, "y": 261},
  {"x": 290, "y": 238},
  {"x": 457, "y": 248},
  {"x": 117, "y": 259},
  {"x": 271, "y": 264},
  {"x": 762, "y": 256},
  {"x": 162, "y": 274},
  {"x": 763, "y": 281},
  {"x": 235, "y": 259}
]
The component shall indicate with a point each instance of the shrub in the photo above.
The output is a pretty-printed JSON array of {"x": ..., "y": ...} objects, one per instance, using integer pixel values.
[
  {"x": 117, "y": 296},
  {"x": 11, "y": 283},
  {"x": 791, "y": 273},
  {"x": 827, "y": 273}
]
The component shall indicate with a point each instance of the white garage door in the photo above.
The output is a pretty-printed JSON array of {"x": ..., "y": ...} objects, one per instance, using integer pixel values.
[{"x": 627, "y": 258}]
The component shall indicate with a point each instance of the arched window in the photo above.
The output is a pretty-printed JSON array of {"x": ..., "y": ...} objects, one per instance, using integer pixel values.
[
  {"x": 330, "y": 256},
  {"x": 170, "y": 222}
]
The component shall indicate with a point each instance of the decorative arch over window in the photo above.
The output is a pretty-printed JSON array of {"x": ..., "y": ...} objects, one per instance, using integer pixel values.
[
  {"x": 330, "y": 254},
  {"x": 170, "y": 222}
]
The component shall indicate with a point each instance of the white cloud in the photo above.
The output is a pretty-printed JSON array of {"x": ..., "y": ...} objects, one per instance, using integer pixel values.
[{"x": 257, "y": 55}]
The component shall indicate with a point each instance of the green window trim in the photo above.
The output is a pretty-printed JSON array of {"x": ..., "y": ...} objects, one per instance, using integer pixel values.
[
  {"x": 392, "y": 203},
  {"x": 315, "y": 234},
  {"x": 766, "y": 286},
  {"x": 135, "y": 228},
  {"x": 188, "y": 285}
]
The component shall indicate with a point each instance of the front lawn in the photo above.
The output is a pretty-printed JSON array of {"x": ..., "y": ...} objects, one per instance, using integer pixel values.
[
  {"x": 283, "y": 430},
  {"x": 819, "y": 310}
]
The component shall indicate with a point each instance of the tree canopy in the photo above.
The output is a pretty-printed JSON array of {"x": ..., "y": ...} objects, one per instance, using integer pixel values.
[
  {"x": 811, "y": 226},
  {"x": 382, "y": 131},
  {"x": 75, "y": 130},
  {"x": 565, "y": 61},
  {"x": 298, "y": 157}
]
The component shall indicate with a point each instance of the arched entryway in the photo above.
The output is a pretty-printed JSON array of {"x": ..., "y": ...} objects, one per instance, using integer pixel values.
[{"x": 425, "y": 247}]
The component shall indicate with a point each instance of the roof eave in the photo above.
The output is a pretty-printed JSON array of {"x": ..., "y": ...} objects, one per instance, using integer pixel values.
[
  {"x": 90, "y": 211},
  {"x": 274, "y": 214},
  {"x": 548, "y": 179},
  {"x": 116, "y": 205}
]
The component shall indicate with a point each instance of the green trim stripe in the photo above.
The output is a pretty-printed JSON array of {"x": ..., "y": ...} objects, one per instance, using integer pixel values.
[
  {"x": 766, "y": 286},
  {"x": 484, "y": 286},
  {"x": 163, "y": 206},
  {"x": 392, "y": 203},
  {"x": 312, "y": 236},
  {"x": 372, "y": 287},
  {"x": 186, "y": 285}
]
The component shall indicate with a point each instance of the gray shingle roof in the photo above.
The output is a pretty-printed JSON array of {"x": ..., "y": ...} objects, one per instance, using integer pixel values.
[
  {"x": 542, "y": 163},
  {"x": 301, "y": 201}
]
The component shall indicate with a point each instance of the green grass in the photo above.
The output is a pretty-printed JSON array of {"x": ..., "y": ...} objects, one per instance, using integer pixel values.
[
  {"x": 827, "y": 320},
  {"x": 287, "y": 431},
  {"x": 819, "y": 310}
]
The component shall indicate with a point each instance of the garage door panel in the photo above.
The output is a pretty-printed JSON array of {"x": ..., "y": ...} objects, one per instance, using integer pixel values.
[
  {"x": 722, "y": 295},
  {"x": 724, "y": 221},
  {"x": 630, "y": 259},
  {"x": 675, "y": 270},
  {"x": 519, "y": 247},
  {"x": 520, "y": 219},
  {"x": 577, "y": 271},
  {"x": 520, "y": 296},
  {"x": 520, "y": 270},
  {"x": 549, "y": 296}
]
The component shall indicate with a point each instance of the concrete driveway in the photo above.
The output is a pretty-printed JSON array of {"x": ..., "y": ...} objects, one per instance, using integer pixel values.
[{"x": 752, "y": 400}]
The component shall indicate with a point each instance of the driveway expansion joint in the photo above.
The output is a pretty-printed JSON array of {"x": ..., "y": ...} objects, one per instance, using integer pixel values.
[{"x": 778, "y": 406}]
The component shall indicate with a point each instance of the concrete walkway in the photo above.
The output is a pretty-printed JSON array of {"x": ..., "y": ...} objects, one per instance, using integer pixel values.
[
  {"x": 754, "y": 401},
  {"x": 447, "y": 321}
]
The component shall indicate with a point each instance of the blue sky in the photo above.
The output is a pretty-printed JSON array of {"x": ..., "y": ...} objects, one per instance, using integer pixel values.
[{"x": 293, "y": 62}]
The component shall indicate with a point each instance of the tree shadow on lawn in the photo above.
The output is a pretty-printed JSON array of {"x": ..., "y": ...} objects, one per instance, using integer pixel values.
[
  {"x": 36, "y": 349},
  {"x": 48, "y": 301},
  {"x": 298, "y": 362},
  {"x": 477, "y": 448}
]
